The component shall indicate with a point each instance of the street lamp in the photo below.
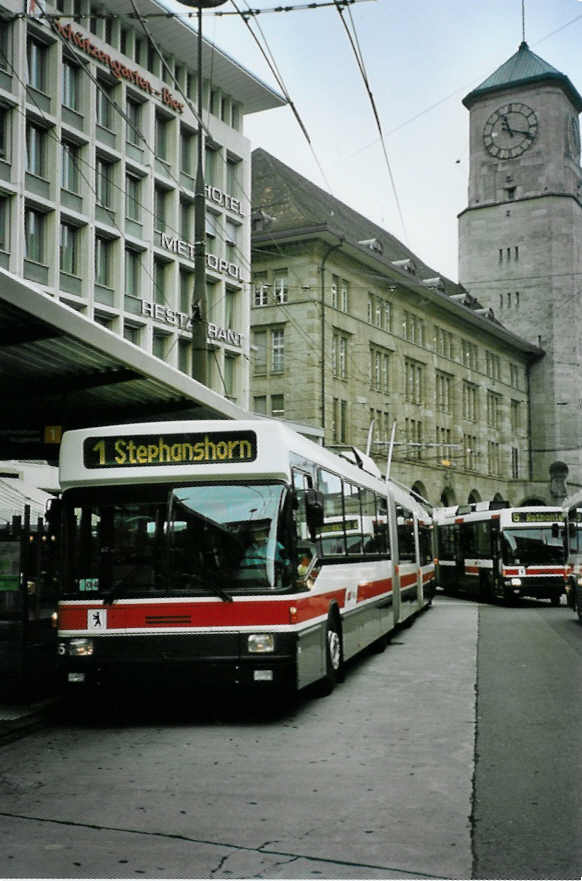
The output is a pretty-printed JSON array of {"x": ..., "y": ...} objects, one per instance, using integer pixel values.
[{"x": 200, "y": 300}]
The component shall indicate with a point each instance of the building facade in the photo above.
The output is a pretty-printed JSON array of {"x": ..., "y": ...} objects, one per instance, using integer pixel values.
[
  {"x": 520, "y": 239},
  {"x": 98, "y": 146},
  {"x": 351, "y": 330}
]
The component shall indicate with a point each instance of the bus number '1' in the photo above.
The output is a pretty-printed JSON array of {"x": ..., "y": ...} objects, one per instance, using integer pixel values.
[{"x": 99, "y": 448}]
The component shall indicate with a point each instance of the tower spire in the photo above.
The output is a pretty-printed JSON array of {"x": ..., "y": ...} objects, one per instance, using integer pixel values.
[{"x": 523, "y": 21}]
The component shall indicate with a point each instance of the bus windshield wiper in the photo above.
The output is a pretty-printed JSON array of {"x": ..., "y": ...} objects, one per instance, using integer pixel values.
[{"x": 210, "y": 581}]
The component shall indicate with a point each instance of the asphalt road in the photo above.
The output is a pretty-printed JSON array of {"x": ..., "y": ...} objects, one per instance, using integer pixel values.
[{"x": 451, "y": 755}]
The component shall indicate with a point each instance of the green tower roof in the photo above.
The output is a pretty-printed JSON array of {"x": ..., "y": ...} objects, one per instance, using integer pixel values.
[{"x": 523, "y": 68}]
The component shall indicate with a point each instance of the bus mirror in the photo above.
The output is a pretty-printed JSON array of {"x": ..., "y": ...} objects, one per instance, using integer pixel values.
[
  {"x": 555, "y": 530},
  {"x": 53, "y": 515},
  {"x": 571, "y": 529},
  {"x": 314, "y": 511}
]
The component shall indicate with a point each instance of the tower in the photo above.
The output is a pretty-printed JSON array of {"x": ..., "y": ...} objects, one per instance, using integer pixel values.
[{"x": 520, "y": 237}]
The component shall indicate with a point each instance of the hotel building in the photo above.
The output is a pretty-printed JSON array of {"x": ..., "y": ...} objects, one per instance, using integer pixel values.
[{"x": 98, "y": 145}]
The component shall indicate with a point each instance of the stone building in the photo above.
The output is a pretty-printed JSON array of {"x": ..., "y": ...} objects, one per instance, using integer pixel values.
[
  {"x": 520, "y": 241},
  {"x": 350, "y": 329}
]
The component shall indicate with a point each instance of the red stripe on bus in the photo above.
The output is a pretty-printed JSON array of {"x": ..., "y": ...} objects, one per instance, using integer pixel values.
[
  {"x": 256, "y": 613},
  {"x": 374, "y": 589},
  {"x": 471, "y": 570}
]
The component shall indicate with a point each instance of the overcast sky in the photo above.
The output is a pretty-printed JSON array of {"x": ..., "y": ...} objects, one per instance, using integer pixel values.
[{"x": 422, "y": 57}]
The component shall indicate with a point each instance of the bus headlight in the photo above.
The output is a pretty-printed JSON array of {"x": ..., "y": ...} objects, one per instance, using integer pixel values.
[
  {"x": 516, "y": 582},
  {"x": 80, "y": 647},
  {"x": 259, "y": 643}
]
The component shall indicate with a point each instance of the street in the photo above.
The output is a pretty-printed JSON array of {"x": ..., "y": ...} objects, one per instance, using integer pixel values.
[{"x": 378, "y": 780}]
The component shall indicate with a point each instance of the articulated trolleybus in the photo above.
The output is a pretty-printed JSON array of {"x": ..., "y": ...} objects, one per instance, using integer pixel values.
[
  {"x": 199, "y": 553},
  {"x": 496, "y": 552}
]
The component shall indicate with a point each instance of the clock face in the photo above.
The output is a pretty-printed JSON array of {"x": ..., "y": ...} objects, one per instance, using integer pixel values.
[{"x": 510, "y": 130}]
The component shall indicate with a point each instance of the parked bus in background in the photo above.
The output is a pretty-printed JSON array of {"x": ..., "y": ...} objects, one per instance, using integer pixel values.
[
  {"x": 200, "y": 552},
  {"x": 573, "y": 544},
  {"x": 492, "y": 551}
]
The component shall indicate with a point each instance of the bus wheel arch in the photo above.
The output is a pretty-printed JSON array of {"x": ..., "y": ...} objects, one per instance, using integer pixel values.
[{"x": 334, "y": 654}]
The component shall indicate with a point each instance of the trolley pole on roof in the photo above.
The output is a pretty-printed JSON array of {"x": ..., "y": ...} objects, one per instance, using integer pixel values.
[{"x": 200, "y": 298}]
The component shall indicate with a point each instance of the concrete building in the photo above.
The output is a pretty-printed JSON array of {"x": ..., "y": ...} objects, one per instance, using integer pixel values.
[
  {"x": 98, "y": 138},
  {"x": 349, "y": 328},
  {"x": 520, "y": 241}
]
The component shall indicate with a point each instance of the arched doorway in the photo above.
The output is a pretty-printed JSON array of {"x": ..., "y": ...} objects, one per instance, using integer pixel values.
[
  {"x": 419, "y": 489},
  {"x": 448, "y": 497},
  {"x": 532, "y": 501},
  {"x": 474, "y": 497}
]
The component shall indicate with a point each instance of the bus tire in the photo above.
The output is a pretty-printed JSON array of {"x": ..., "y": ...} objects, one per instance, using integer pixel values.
[
  {"x": 334, "y": 655},
  {"x": 555, "y": 599}
]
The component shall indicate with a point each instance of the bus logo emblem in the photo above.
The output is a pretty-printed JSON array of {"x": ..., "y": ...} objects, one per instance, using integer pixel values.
[{"x": 97, "y": 619}]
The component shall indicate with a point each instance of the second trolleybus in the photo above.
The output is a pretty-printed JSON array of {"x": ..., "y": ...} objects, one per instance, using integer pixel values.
[
  {"x": 230, "y": 552},
  {"x": 493, "y": 551}
]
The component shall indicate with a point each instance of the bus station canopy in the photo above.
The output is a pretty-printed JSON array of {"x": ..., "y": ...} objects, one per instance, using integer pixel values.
[{"x": 60, "y": 370}]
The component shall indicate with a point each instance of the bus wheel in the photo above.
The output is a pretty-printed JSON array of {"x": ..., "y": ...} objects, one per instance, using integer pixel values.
[
  {"x": 334, "y": 661},
  {"x": 555, "y": 599}
]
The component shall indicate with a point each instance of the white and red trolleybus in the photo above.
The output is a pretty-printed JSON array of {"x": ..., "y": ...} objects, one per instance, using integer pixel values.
[
  {"x": 198, "y": 552},
  {"x": 496, "y": 552}
]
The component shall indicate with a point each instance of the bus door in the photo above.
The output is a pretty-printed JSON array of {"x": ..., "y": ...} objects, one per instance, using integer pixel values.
[{"x": 28, "y": 598}]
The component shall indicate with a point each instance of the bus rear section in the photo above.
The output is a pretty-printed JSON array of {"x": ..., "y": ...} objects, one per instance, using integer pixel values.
[
  {"x": 199, "y": 553},
  {"x": 493, "y": 552}
]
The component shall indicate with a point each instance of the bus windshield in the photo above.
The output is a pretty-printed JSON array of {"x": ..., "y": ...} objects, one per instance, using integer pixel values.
[
  {"x": 195, "y": 539},
  {"x": 532, "y": 545}
]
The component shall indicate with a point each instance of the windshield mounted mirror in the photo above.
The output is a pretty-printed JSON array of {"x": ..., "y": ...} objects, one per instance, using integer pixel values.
[{"x": 314, "y": 511}]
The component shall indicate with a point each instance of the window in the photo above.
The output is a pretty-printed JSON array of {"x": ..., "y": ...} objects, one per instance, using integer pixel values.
[
  {"x": 184, "y": 349},
  {"x": 231, "y": 242},
  {"x": 470, "y": 411},
  {"x": 132, "y": 333},
  {"x": 280, "y": 285},
  {"x": 132, "y": 272},
  {"x": 413, "y": 429},
  {"x": 515, "y": 463},
  {"x": 133, "y": 197},
  {"x": 37, "y": 57},
  {"x": 493, "y": 459},
  {"x": 370, "y": 309},
  {"x": 5, "y": 45},
  {"x": 515, "y": 415},
  {"x": 160, "y": 203},
  {"x": 71, "y": 83},
  {"x": 210, "y": 163},
  {"x": 159, "y": 342},
  {"x": 470, "y": 452},
  {"x": 36, "y": 150},
  {"x": 413, "y": 329},
  {"x": 443, "y": 439},
  {"x": 186, "y": 220},
  {"x": 514, "y": 375},
  {"x": 161, "y": 139},
  {"x": 378, "y": 314},
  {"x": 70, "y": 167},
  {"x": 344, "y": 298},
  {"x": 278, "y": 406},
  {"x": 133, "y": 113},
  {"x": 34, "y": 235},
  {"x": 159, "y": 281},
  {"x": 444, "y": 383},
  {"x": 260, "y": 405},
  {"x": 69, "y": 249},
  {"x": 102, "y": 261},
  {"x": 387, "y": 321},
  {"x": 229, "y": 375},
  {"x": 277, "y": 350},
  {"x": 104, "y": 183},
  {"x": 261, "y": 288},
  {"x": 4, "y": 223},
  {"x": 493, "y": 365},
  {"x": 379, "y": 369},
  {"x": 186, "y": 290},
  {"x": 339, "y": 421},
  {"x": 104, "y": 105},
  {"x": 233, "y": 169},
  {"x": 493, "y": 410},
  {"x": 444, "y": 343},
  {"x": 470, "y": 358},
  {"x": 4, "y": 133},
  {"x": 260, "y": 344},
  {"x": 187, "y": 152},
  {"x": 339, "y": 355},
  {"x": 413, "y": 381}
]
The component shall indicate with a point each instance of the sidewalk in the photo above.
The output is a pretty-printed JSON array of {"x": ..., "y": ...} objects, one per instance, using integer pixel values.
[{"x": 18, "y": 719}]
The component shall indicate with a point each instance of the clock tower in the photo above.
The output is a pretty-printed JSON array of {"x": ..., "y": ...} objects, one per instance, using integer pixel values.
[{"x": 520, "y": 239}]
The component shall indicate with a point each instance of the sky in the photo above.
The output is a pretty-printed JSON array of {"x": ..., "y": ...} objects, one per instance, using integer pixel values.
[{"x": 421, "y": 58}]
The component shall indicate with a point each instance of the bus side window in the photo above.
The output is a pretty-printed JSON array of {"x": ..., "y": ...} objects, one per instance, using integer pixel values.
[
  {"x": 368, "y": 499},
  {"x": 332, "y": 537},
  {"x": 381, "y": 525},
  {"x": 305, "y": 548}
]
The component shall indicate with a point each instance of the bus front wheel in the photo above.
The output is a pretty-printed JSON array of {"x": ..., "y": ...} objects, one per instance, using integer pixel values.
[{"x": 334, "y": 660}]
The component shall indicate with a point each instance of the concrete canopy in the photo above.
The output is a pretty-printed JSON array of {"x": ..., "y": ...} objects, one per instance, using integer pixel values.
[{"x": 59, "y": 370}]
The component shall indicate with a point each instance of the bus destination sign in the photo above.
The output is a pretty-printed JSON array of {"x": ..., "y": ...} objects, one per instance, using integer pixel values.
[
  {"x": 143, "y": 450},
  {"x": 536, "y": 516}
]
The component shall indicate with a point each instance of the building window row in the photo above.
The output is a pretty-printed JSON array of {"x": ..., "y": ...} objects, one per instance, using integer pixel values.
[{"x": 379, "y": 370}]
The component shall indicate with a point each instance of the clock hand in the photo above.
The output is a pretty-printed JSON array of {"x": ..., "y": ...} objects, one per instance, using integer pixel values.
[{"x": 506, "y": 127}]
